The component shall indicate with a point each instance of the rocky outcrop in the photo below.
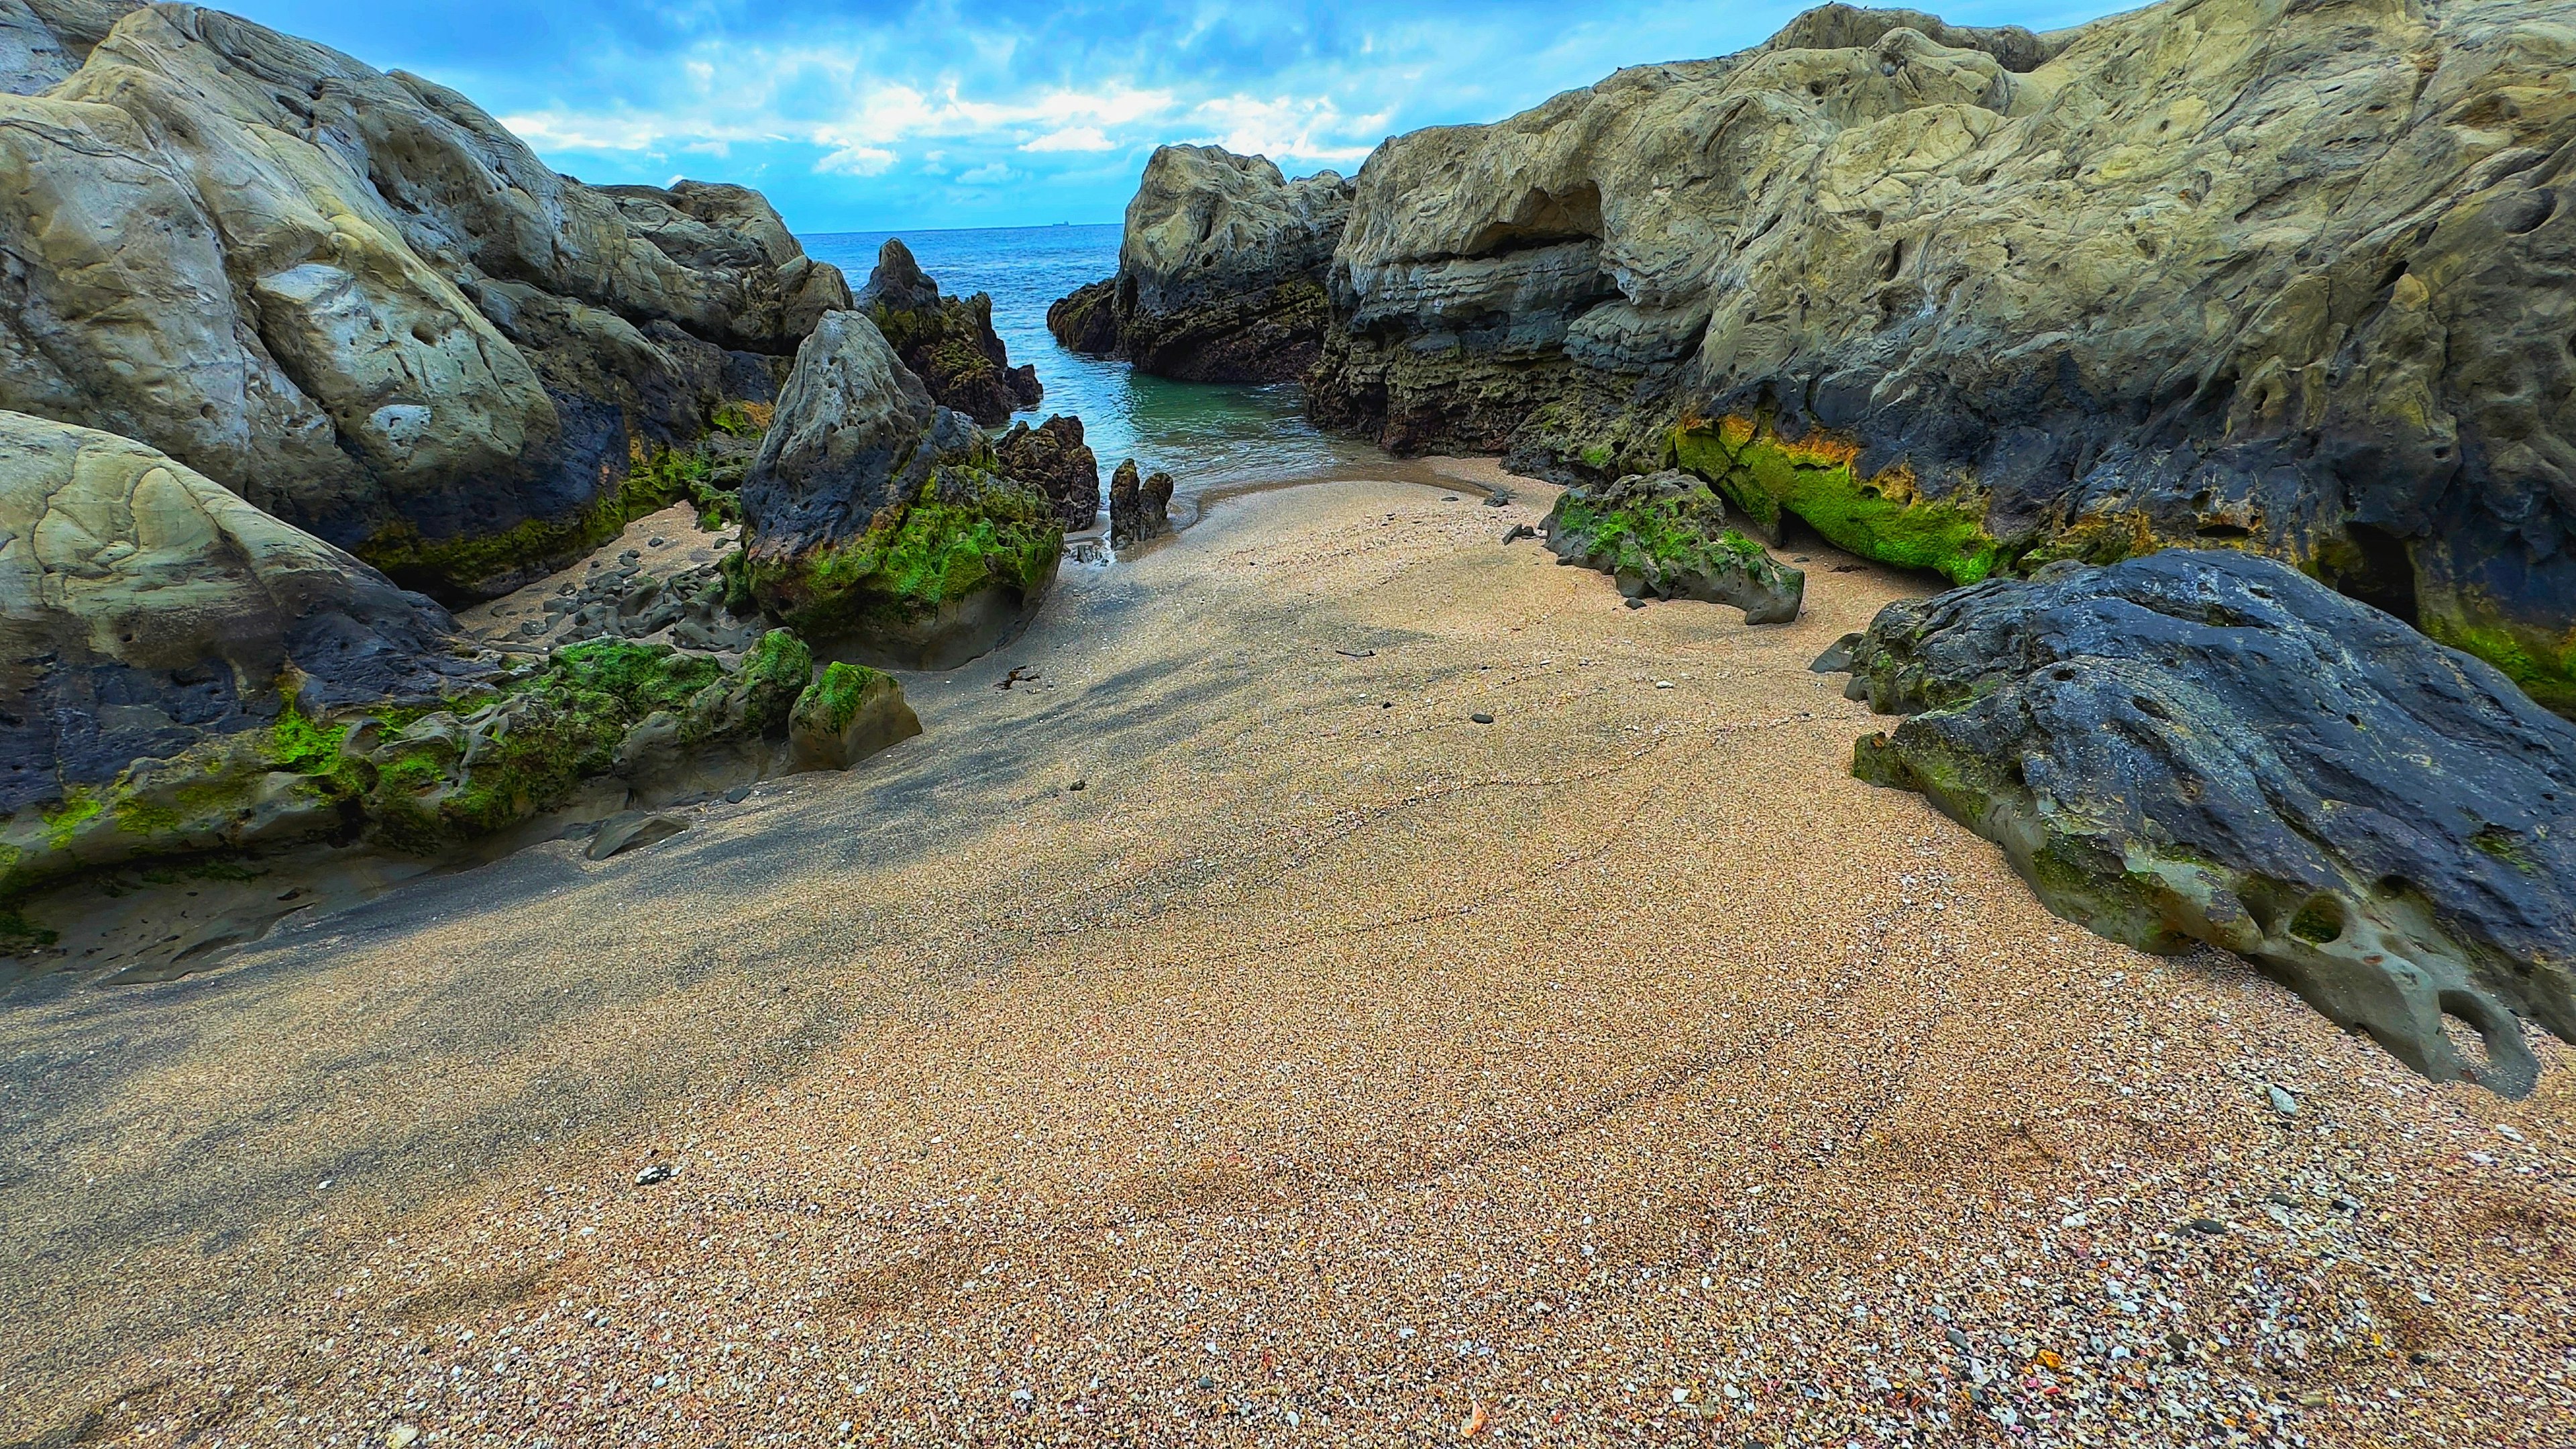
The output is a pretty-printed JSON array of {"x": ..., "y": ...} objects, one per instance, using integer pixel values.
[
  {"x": 1139, "y": 508},
  {"x": 852, "y": 712},
  {"x": 948, "y": 342},
  {"x": 43, "y": 41},
  {"x": 1220, "y": 272},
  {"x": 1666, "y": 535},
  {"x": 2268, "y": 274},
  {"x": 1053, "y": 459},
  {"x": 878, "y": 523},
  {"x": 357, "y": 301},
  {"x": 183, "y": 677},
  {"x": 2210, "y": 746}
]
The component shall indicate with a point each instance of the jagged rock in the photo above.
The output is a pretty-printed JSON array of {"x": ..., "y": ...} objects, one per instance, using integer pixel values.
[
  {"x": 1053, "y": 459},
  {"x": 355, "y": 299},
  {"x": 877, "y": 523},
  {"x": 1220, "y": 271},
  {"x": 1666, "y": 534},
  {"x": 2211, "y": 746},
  {"x": 948, "y": 342},
  {"x": 1138, "y": 509},
  {"x": 2284, "y": 274},
  {"x": 848, "y": 714}
]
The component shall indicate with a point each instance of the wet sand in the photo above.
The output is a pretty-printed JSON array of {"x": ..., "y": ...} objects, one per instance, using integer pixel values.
[{"x": 1327, "y": 1068}]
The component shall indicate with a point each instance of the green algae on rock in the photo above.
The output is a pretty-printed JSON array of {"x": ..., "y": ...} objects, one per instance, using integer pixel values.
[
  {"x": 1667, "y": 535},
  {"x": 2207, "y": 745},
  {"x": 948, "y": 342},
  {"x": 1884, "y": 517},
  {"x": 846, "y": 715}
]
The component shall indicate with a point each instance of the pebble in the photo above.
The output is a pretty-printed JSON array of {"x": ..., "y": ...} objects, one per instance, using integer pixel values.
[
  {"x": 1636, "y": 603},
  {"x": 658, "y": 1172},
  {"x": 2283, "y": 1102},
  {"x": 1481, "y": 718}
]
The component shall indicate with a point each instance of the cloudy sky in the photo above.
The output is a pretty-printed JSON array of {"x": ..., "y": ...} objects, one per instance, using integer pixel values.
[{"x": 876, "y": 114}]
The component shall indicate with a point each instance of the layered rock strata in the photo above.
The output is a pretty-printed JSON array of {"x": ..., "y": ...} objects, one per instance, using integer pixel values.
[
  {"x": 1666, "y": 535},
  {"x": 948, "y": 342},
  {"x": 1220, "y": 271},
  {"x": 2257, "y": 274},
  {"x": 2211, "y": 746},
  {"x": 357, "y": 301},
  {"x": 878, "y": 523}
]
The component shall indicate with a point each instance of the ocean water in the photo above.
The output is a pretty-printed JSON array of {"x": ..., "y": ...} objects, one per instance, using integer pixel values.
[{"x": 1208, "y": 436}]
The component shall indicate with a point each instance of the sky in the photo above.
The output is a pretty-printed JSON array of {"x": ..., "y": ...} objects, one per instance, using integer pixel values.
[{"x": 866, "y": 115}]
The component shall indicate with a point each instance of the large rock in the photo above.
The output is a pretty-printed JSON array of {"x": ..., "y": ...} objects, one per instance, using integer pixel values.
[
  {"x": 948, "y": 342},
  {"x": 1667, "y": 535},
  {"x": 1140, "y": 507},
  {"x": 2286, "y": 274},
  {"x": 878, "y": 524},
  {"x": 356, "y": 300},
  {"x": 2210, "y": 746},
  {"x": 848, "y": 714},
  {"x": 1220, "y": 272}
]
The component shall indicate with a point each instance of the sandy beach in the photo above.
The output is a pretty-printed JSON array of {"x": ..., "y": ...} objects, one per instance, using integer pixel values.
[{"x": 1208, "y": 1031}]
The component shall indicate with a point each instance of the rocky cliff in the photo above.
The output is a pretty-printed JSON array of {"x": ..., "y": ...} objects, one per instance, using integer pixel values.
[
  {"x": 1220, "y": 271},
  {"x": 948, "y": 342},
  {"x": 2262, "y": 274},
  {"x": 357, "y": 301}
]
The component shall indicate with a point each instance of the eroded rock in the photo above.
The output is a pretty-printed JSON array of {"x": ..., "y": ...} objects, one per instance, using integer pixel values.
[
  {"x": 1139, "y": 508},
  {"x": 850, "y": 713},
  {"x": 948, "y": 342},
  {"x": 2279, "y": 274},
  {"x": 1220, "y": 271},
  {"x": 1053, "y": 459},
  {"x": 878, "y": 524},
  {"x": 1667, "y": 535},
  {"x": 2211, "y": 746}
]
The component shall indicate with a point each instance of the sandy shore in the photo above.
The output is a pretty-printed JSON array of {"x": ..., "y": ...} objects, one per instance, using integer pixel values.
[{"x": 1327, "y": 1067}]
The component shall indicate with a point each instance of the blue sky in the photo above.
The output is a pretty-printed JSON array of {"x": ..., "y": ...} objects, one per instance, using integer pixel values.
[{"x": 858, "y": 115}]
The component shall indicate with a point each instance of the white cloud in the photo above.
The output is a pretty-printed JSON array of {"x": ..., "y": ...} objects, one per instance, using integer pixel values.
[
  {"x": 856, "y": 161},
  {"x": 992, "y": 173},
  {"x": 1072, "y": 138}
]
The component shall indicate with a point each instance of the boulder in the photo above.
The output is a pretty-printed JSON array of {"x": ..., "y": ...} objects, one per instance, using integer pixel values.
[
  {"x": 2211, "y": 746},
  {"x": 356, "y": 300},
  {"x": 879, "y": 524},
  {"x": 2285, "y": 275},
  {"x": 848, "y": 714},
  {"x": 1666, "y": 535},
  {"x": 1220, "y": 271},
  {"x": 1053, "y": 459},
  {"x": 948, "y": 342},
  {"x": 1139, "y": 509}
]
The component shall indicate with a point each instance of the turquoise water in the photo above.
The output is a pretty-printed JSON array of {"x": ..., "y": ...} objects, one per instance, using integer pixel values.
[{"x": 1206, "y": 435}]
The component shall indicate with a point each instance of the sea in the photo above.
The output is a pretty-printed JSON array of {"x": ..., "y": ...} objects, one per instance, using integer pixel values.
[{"x": 1209, "y": 436}]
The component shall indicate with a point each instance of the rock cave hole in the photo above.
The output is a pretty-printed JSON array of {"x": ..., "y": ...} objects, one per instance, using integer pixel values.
[
  {"x": 2469, "y": 1023},
  {"x": 2384, "y": 574},
  {"x": 2321, "y": 921}
]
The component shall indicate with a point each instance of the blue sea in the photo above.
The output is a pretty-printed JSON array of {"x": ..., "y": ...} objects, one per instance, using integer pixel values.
[{"x": 1206, "y": 435}]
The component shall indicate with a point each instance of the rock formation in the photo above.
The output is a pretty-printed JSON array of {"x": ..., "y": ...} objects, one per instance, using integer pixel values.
[
  {"x": 357, "y": 301},
  {"x": 948, "y": 342},
  {"x": 851, "y": 713},
  {"x": 1139, "y": 509},
  {"x": 1053, "y": 459},
  {"x": 2210, "y": 746},
  {"x": 2282, "y": 276},
  {"x": 183, "y": 676},
  {"x": 1666, "y": 535},
  {"x": 878, "y": 523},
  {"x": 1220, "y": 272}
]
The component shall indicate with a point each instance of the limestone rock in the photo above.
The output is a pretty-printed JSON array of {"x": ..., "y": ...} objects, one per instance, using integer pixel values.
[
  {"x": 878, "y": 524},
  {"x": 2211, "y": 746},
  {"x": 948, "y": 342},
  {"x": 1220, "y": 271},
  {"x": 848, "y": 714},
  {"x": 1053, "y": 459},
  {"x": 356, "y": 300},
  {"x": 43, "y": 41},
  {"x": 2283, "y": 274},
  {"x": 1139, "y": 508},
  {"x": 1666, "y": 534}
]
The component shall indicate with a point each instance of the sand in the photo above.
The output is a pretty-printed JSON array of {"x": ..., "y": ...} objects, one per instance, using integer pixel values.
[{"x": 1326, "y": 1068}]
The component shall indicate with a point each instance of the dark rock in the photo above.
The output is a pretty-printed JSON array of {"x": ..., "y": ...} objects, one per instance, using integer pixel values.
[
  {"x": 1052, "y": 458},
  {"x": 1666, "y": 534},
  {"x": 1837, "y": 658},
  {"x": 1481, "y": 718},
  {"x": 1138, "y": 510},
  {"x": 632, "y": 830},
  {"x": 1220, "y": 272},
  {"x": 2207, "y": 1227},
  {"x": 948, "y": 342},
  {"x": 2211, "y": 746},
  {"x": 1519, "y": 531}
]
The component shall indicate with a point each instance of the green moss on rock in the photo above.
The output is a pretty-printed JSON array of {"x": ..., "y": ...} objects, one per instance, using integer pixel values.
[
  {"x": 1884, "y": 517},
  {"x": 965, "y": 533}
]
